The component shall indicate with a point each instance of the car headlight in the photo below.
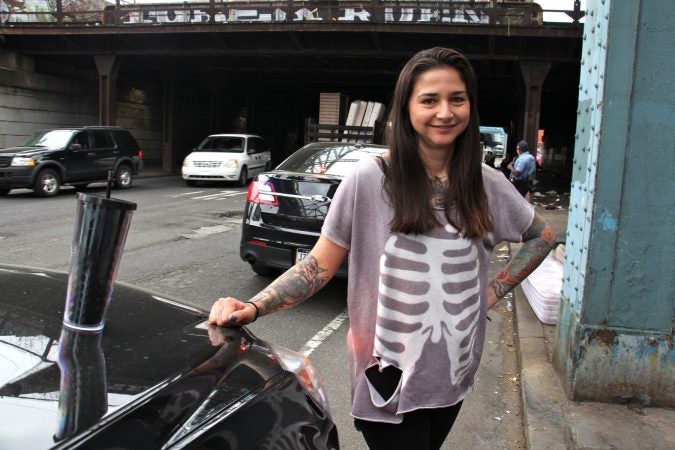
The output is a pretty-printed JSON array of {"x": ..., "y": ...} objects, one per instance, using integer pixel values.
[
  {"x": 231, "y": 164},
  {"x": 20, "y": 161},
  {"x": 186, "y": 162},
  {"x": 303, "y": 369}
]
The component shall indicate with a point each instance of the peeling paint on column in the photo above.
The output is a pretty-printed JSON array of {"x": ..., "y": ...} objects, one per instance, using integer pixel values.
[
  {"x": 606, "y": 337},
  {"x": 615, "y": 366},
  {"x": 607, "y": 222},
  {"x": 624, "y": 367}
]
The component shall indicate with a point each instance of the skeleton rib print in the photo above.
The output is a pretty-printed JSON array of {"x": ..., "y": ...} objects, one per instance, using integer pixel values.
[{"x": 429, "y": 292}]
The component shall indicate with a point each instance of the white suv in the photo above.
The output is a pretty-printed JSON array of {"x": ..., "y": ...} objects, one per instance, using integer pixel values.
[{"x": 227, "y": 157}]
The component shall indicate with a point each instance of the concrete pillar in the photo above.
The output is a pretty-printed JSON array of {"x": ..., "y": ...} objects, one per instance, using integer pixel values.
[
  {"x": 615, "y": 332},
  {"x": 168, "y": 91},
  {"x": 534, "y": 74},
  {"x": 108, "y": 67}
]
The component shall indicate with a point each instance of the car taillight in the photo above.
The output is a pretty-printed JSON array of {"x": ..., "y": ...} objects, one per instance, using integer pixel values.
[
  {"x": 258, "y": 193},
  {"x": 257, "y": 242},
  {"x": 140, "y": 153}
]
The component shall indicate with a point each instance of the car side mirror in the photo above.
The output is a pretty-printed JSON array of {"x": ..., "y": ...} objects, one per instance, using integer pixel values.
[{"x": 75, "y": 146}]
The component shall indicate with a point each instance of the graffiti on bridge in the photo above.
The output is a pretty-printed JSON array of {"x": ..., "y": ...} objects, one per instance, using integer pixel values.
[
  {"x": 389, "y": 14},
  {"x": 100, "y": 12}
]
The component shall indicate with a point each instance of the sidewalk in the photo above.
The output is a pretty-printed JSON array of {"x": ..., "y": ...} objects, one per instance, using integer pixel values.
[{"x": 554, "y": 422}]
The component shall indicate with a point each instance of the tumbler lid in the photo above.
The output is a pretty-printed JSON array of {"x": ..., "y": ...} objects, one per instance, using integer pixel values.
[{"x": 114, "y": 203}]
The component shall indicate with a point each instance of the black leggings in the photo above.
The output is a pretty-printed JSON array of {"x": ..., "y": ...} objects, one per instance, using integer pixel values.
[{"x": 424, "y": 429}]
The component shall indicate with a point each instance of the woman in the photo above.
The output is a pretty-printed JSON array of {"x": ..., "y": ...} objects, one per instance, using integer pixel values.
[{"x": 417, "y": 291}]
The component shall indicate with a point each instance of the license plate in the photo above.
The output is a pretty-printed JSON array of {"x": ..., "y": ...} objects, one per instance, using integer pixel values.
[{"x": 301, "y": 254}]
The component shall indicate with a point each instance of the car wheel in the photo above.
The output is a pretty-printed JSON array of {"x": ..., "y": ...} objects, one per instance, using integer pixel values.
[
  {"x": 4, "y": 191},
  {"x": 243, "y": 177},
  {"x": 123, "y": 177},
  {"x": 47, "y": 183},
  {"x": 190, "y": 183}
]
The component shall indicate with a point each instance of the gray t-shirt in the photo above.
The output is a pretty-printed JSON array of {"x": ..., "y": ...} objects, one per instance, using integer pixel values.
[{"x": 416, "y": 302}]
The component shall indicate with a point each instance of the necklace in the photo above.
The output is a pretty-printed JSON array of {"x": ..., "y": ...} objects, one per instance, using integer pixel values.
[
  {"x": 439, "y": 188},
  {"x": 436, "y": 177}
]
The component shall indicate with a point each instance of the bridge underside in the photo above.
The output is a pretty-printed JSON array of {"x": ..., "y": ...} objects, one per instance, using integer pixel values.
[{"x": 272, "y": 63}]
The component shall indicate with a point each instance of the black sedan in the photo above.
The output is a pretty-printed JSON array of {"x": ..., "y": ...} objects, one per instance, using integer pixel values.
[
  {"x": 285, "y": 208},
  {"x": 156, "y": 377}
]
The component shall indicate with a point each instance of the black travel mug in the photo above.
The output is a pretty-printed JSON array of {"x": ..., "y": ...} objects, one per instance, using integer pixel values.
[{"x": 101, "y": 227}]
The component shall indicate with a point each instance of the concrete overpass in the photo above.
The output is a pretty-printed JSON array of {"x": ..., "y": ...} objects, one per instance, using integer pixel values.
[{"x": 197, "y": 68}]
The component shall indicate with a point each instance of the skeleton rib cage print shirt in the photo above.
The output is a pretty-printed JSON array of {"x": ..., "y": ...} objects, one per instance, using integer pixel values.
[{"x": 417, "y": 302}]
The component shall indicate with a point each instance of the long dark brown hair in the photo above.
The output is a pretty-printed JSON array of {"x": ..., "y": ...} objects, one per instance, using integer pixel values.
[{"x": 407, "y": 184}]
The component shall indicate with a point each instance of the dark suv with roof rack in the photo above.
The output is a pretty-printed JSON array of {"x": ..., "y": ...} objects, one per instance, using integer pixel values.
[{"x": 76, "y": 156}]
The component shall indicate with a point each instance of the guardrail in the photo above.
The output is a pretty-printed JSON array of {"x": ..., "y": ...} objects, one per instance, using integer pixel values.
[{"x": 47, "y": 13}]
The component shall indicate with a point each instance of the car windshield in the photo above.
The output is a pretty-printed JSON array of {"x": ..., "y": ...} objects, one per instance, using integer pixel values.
[
  {"x": 49, "y": 138},
  {"x": 332, "y": 160},
  {"x": 225, "y": 144}
]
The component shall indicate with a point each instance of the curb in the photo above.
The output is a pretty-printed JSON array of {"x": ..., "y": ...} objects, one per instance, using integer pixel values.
[{"x": 542, "y": 396}]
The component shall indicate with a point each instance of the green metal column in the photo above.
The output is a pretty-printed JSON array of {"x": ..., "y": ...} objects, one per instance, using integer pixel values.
[{"x": 615, "y": 333}]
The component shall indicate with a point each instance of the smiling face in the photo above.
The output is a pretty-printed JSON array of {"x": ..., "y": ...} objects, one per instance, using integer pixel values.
[{"x": 439, "y": 108}]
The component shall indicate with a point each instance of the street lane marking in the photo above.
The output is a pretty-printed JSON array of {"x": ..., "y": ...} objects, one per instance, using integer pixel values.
[
  {"x": 184, "y": 194},
  {"x": 322, "y": 335},
  {"x": 218, "y": 196}
]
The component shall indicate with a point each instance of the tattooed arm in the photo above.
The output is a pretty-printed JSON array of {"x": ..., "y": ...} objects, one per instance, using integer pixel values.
[
  {"x": 292, "y": 287},
  {"x": 538, "y": 241}
]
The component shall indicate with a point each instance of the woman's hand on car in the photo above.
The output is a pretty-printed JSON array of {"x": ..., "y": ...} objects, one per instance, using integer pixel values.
[{"x": 230, "y": 312}]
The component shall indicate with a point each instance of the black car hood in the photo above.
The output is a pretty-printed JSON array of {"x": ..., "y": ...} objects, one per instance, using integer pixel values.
[
  {"x": 26, "y": 151},
  {"x": 153, "y": 367}
]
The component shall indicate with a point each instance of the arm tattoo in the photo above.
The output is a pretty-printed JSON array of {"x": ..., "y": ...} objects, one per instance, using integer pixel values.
[
  {"x": 538, "y": 241},
  {"x": 296, "y": 285}
]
